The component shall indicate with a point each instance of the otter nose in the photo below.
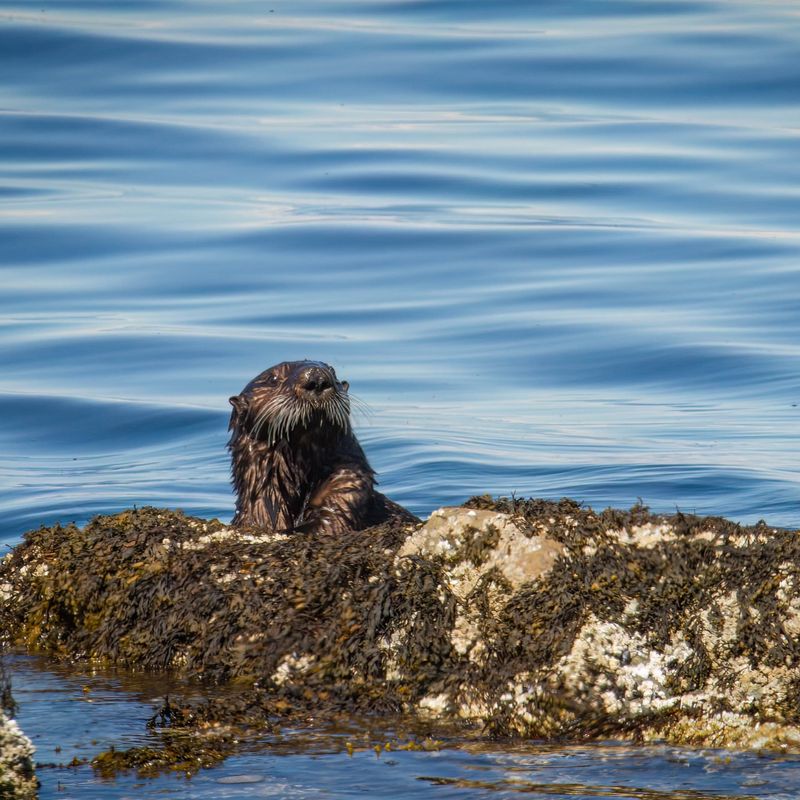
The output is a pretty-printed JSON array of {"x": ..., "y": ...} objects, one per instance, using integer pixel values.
[{"x": 315, "y": 380}]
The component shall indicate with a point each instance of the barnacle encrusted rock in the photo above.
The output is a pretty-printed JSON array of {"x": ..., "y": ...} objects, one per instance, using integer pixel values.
[
  {"x": 17, "y": 779},
  {"x": 474, "y": 542},
  {"x": 485, "y": 558},
  {"x": 510, "y": 617}
]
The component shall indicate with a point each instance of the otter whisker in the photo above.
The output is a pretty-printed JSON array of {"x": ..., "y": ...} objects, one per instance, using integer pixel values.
[
  {"x": 341, "y": 412},
  {"x": 282, "y": 414},
  {"x": 272, "y": 411},
  {"x": 262, "y": 418},
  {"x": 361, "y": 407},
  {"x": 273, "y": 416},
  {"x": 282, "y": 423}
]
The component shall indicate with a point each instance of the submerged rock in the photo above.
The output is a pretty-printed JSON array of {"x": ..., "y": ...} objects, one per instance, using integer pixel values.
[{"x": 510, "y": 618}]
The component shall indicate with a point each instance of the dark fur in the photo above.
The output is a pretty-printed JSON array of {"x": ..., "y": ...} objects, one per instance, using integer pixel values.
[{"x": 296, "y": 463}]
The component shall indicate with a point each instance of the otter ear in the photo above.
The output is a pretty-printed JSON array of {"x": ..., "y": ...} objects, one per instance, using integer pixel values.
[
  {"x": 345, "y": 385},
  {"x": 238, "y": 402}
]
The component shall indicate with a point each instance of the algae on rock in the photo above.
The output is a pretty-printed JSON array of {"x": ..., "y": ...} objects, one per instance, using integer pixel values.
[{"x": 510, "y": 617}]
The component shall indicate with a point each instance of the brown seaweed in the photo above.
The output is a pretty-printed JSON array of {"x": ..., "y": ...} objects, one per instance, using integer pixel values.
[{"x": 311, "y": 626}]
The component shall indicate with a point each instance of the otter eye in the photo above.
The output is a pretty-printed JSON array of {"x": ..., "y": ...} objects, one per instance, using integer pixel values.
[{"x": 272, "y": 379}]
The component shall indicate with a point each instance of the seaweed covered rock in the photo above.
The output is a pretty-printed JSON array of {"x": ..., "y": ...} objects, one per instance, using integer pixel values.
[
  {"x": 678, "y": 627},
  {"x": 155, "y": 589},
  {"x": 508, "y": 617}
]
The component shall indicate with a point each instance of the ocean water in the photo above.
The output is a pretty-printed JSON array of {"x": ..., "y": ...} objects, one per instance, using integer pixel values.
[{"x": 554, "y": 246}]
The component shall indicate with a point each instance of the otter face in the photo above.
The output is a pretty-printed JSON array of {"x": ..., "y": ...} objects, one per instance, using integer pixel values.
[{"x": 289, "y": 396}]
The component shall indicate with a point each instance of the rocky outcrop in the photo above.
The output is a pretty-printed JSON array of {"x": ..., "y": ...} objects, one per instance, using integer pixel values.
[
  {"x": 17, "y": 779},
  {"x": 511, "y": 617}
]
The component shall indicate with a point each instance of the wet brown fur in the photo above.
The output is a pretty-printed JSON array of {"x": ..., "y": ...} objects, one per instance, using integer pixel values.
[{"x": 296, "y": 464}]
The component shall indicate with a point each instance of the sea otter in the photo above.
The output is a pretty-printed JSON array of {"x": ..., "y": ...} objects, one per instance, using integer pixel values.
[{"x": 296, "y": 464}]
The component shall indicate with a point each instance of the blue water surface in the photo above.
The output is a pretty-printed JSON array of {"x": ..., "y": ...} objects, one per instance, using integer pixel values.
[{"x": 554, "y": 246}]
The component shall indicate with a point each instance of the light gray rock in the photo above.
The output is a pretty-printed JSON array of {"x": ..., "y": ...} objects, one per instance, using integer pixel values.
[
  {"x": 474, "y": 542},
  {"x": 17, "y": 780}
]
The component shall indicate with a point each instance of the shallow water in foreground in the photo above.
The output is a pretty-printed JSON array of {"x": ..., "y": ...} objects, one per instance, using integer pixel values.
[
  {"x": 554, "y": 246},
  {"x": 113, "y": 709}
]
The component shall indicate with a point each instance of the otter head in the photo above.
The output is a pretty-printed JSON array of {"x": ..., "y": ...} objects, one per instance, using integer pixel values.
[{"x": 291, "y": 397}]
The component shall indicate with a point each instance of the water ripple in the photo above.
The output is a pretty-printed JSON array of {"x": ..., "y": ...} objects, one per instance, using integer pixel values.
[{"x": 571, "y": 228}]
